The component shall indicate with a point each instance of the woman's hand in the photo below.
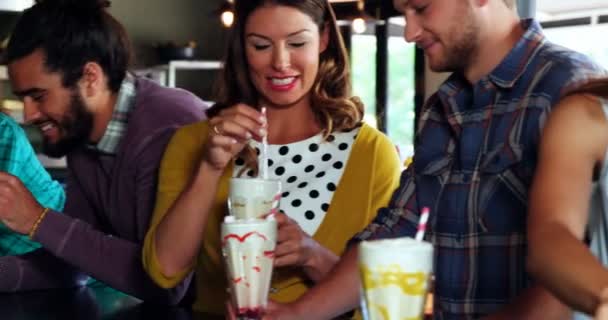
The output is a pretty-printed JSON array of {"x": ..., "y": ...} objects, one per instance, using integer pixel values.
[
  {"x": 229, "y": 132},
  {"x": 278, "y": 311},
  {"x": 230, "y": 314},
  {"x": 296, "y": 248},
  {"x": 274, "y": 311}
]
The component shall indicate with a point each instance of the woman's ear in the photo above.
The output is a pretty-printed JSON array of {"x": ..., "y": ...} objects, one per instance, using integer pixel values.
[{"x": 324, "y": 40}]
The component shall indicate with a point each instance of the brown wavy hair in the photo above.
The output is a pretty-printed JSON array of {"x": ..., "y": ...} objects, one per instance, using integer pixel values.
[{"x": 334, "y": 107}]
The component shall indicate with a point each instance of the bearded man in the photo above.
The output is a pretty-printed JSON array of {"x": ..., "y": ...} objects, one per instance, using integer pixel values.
[{"x": 67, "y": 61}]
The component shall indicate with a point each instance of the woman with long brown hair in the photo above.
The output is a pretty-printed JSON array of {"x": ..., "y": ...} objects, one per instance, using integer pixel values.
[
  {"x": 336, "y": 171},
  {"x": 568, "y": 223}
]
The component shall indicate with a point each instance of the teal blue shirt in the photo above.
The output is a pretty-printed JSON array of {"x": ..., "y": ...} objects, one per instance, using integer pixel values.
[{"x": 18, "y": 158}]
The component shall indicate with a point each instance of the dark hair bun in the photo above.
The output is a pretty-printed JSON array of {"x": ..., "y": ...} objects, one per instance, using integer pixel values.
[{"x": 78, "y": 4}]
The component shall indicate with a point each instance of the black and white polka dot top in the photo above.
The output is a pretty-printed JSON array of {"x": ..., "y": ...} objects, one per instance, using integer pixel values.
[{"x": 309, "y": 171}]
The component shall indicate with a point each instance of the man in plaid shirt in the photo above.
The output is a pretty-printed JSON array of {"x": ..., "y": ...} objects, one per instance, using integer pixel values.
[
  {"x": 475, "y": 153},
  {"x": 17, "y": 157}
]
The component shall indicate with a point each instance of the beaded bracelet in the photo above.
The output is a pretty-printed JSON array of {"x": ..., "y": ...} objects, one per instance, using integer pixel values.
[{"x": 37, "y": 223}]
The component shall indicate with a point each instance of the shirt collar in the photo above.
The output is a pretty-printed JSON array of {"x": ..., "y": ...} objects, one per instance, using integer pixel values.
[
  {"x": 509, "y": 70},
  {"x": 117, "y": 126},
  {"x": 506, "y": 74}
]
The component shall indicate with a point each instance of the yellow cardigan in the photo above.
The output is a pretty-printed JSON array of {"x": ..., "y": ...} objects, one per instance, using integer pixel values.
[{"x": 369, "y": 179}]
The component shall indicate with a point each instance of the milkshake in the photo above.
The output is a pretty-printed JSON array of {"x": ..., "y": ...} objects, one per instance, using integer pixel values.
[
  {"x": 248, "y": 251},
  {"x": 253, "y": 198},
  {"x": 395, "y": 277}
]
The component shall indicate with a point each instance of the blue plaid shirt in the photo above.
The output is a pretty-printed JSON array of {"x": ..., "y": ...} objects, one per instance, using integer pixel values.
[
  {"x": 475, "y": 154},
  {"x": 18, "y": 158}
]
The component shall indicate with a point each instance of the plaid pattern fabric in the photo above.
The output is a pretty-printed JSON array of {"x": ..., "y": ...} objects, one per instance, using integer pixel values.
[
  {"x": 117, "y": 126},
  {"x": 19, "y": 159},
  {"x": 475, "y": 154}
]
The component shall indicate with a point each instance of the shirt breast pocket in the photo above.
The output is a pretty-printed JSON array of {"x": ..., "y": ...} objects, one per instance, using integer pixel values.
[
  {"x": 432, "y": 176},
  {"x": 503, "y": 190}
]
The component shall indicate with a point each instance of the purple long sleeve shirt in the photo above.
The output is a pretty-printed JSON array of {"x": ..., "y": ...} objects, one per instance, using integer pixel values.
[{"x": 110, "y": 199}]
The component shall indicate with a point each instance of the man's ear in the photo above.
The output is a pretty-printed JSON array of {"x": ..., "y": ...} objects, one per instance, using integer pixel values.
[
  {"x": 93, "y": 79},
  {"x": 324, "y": 41}
]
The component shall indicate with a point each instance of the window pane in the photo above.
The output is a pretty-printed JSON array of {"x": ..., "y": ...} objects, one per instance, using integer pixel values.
[
  {"x": 584, "y": 39},
  {"x": 401, "y": 87},
  {"x": 363, "y": 67},
  {"x": 400, "y": 108}
]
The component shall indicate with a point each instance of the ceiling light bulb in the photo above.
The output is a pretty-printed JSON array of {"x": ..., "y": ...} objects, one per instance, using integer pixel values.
[
  {"x": 359, "y": 25},
  {"x": 227, "y": 18}
]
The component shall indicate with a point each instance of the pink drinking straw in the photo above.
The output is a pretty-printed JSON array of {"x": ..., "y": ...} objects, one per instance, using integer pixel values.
[{"x": 424, "y": 217}]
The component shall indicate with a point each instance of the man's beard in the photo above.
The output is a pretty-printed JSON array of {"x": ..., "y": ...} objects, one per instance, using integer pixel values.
[
  {"x": 75, "y": 126},
  {"x": 460, "y": 52}
]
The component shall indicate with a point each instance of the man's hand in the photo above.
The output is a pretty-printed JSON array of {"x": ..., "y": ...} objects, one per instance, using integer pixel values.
[
  {"x": 19, "y": 210},
  {"x": 532, "y": 304}
]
